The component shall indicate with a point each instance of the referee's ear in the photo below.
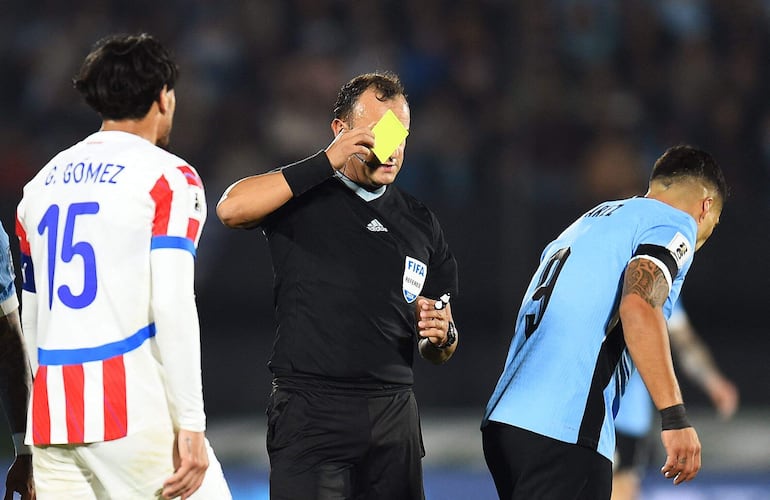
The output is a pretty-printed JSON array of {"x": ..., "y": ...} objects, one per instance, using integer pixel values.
[{"x": 338, "y": 126}]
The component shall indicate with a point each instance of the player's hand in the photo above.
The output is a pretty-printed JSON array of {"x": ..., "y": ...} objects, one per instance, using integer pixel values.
[
  {"x": 19, "y": 479},
  {"x": 724, "y": 396},
  {"x": 191, "y": 460},
  {"x": 432, "y": 323},
  {"x": 350, "y": 142},
  {"x": 683, "y": 459}
]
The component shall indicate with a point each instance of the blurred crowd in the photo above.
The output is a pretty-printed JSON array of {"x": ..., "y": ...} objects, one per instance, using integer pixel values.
[
  {"x": 524, "y": 113},
  {"x": 578, "y": 96}
]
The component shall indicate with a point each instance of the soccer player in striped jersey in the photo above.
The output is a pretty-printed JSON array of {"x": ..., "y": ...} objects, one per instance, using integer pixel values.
[
  {"x": 14, "y": 376},
  {"x": 108, "y": 232},
  {"x": 594, "y": 312}
]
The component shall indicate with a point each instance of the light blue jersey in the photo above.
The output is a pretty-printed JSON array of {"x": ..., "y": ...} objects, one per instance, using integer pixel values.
[
  {"x": 635, "y": 415},
  {"x": 7, "y": 276},
  {"x": 568, "y": 365}
]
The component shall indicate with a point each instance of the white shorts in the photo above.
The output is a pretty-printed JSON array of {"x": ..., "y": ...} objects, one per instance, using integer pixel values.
[{"x": 133, "y": 467}]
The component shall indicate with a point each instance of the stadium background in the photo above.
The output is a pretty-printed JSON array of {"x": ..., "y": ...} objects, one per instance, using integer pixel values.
[{"x": 524, "y": 115}]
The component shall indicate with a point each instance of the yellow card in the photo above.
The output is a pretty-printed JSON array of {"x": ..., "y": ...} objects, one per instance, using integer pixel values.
[{"x": 389, "y": 132}]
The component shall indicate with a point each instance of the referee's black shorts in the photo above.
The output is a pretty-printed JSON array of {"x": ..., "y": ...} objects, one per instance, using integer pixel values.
[
  {"x": 331, "y": 446},
  {"x": 529, "y": 466}
]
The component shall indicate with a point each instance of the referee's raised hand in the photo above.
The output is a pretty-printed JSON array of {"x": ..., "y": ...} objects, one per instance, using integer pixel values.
[{"x": 349, "y": 144}]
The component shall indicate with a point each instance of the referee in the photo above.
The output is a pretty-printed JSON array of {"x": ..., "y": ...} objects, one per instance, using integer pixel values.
[{"x": 362, "y": 273}]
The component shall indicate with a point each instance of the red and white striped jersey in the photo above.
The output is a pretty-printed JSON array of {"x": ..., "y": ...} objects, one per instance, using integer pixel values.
[{"x": 108, "y": 232}]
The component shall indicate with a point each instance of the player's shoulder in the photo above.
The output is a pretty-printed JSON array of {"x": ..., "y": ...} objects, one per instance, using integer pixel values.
[
  {"x": 174, "y": 168},
  {"x": 648, "y": 211},
  {"x": 661, "y": 224},
  {"x": 184, "y": 173},
  {"x": 162, "y": 158},
  {"x": 40, "y": 178}
]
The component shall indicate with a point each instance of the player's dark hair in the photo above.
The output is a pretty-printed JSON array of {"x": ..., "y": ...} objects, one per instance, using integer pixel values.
[
  {"x": 123, "y": 75},
  {"x": 686, "y": 161},
  {"x": 386, "y": 84}
]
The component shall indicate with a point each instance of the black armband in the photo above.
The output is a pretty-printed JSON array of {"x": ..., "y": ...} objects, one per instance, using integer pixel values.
[
  {"x": 674, "y": 417},
  {"x": 305, "y": 174}
]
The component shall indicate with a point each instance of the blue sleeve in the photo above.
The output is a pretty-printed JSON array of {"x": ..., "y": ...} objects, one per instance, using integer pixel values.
[{"x": 672, "y": 243}]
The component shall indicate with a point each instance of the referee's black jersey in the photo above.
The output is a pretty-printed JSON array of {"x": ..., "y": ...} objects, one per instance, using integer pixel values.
[{"x": 345, "y": 276}]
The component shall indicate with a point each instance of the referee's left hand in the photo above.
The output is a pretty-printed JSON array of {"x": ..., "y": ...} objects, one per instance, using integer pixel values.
[{"x": 432, "y": 323}]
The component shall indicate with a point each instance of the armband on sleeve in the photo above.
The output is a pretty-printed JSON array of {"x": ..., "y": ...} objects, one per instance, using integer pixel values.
[
  {"x": 308, "y": 173},
  {"x": 661, "y": 257}
]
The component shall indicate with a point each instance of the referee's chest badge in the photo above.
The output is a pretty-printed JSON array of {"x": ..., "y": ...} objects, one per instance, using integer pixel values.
[{"x": 414, "y": 278}]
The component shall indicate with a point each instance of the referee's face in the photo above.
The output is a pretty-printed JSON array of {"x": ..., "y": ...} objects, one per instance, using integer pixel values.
[{"x": 369, "y": 171}]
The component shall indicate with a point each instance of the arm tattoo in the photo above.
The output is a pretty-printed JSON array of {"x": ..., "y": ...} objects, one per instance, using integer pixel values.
[{"x": 646, "y": 280}]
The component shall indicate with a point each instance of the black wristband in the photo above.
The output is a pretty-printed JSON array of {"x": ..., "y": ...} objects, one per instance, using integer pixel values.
[
  {"x": 674, "y": 417},
  {"x": 305, "y": 174}
]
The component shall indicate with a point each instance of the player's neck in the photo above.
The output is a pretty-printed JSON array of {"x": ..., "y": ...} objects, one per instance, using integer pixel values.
[
  {"x": 147, "y": 127},
  {"x": 132, "y": 127},
  {"x": 686, "y": 196}
]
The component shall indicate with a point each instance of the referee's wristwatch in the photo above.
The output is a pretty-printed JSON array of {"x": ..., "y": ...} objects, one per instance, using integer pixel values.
[{"x": 451, "y": 337}]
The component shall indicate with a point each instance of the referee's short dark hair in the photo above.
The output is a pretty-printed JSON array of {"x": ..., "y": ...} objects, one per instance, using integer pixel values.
[
  {"x": 387, "y": 84},
  {"x": 123, "y": 75}
]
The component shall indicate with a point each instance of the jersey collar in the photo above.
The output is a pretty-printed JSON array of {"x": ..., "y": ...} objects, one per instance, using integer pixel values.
[{"x": 361, "y": 192}]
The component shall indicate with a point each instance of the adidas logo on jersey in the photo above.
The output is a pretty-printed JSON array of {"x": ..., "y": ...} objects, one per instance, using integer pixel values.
[{"x": 376, "y": 226}]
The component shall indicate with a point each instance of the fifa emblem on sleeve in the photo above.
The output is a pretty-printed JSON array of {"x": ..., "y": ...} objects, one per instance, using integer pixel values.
[{"x": 414, "y": 278}]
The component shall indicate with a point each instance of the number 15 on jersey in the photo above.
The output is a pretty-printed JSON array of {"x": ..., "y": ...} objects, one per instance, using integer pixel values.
[{"x": 69, "y": 249}]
